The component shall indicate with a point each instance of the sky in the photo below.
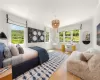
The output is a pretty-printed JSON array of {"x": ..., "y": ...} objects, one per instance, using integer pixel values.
[{"x": 15, "y": 27}]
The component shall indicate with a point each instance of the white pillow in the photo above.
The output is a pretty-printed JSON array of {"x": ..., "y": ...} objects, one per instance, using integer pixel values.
[
  {"x": 92, "y": 50},
  {"x": 14, "y": 50}
]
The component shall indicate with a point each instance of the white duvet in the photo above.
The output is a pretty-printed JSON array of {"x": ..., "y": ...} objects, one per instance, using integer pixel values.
[
  {"x": 29, "y": 54},
  {"x": 14, "y": 60}
]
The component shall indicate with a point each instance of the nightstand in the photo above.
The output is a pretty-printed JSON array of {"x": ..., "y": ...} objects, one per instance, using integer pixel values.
[{"x": 6, "y": 75}]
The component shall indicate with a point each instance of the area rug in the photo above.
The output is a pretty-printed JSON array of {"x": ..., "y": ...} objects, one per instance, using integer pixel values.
[{"x": 44, "y": 71}]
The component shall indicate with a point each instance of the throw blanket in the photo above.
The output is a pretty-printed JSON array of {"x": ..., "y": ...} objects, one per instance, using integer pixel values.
[
  {"x": 44, "y": 71},
  {"x": 42, "y": 53}
]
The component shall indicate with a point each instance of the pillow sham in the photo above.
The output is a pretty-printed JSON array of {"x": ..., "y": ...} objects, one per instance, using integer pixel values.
[
  {"x": 7, "y": 52},
  {"x": 14, "y": 50},
  {"x": 20, "y": 49}
]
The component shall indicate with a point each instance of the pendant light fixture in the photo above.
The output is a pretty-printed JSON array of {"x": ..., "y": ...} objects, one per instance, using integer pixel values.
[{"x": 55, "y": 23}]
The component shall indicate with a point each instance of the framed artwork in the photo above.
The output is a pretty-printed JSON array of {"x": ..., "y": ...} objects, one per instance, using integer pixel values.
[
  {"x": 35, "y": 35},
  {"x": 40, "y": 36},
  {"x": 98, "y": 34}
]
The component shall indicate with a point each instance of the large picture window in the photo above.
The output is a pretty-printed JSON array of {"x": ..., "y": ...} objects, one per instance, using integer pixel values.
[
  {"x": 68, "y": 36},
  {"x": 17, "y": 34}
]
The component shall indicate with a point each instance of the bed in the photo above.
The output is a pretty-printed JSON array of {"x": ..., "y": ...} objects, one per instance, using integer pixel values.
[
  {"x": 31, "y": 58},
  {"x": 27, "y": 61}
]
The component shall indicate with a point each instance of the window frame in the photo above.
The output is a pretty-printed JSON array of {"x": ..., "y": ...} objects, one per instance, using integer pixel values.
[{"x": 69, "y": 36}]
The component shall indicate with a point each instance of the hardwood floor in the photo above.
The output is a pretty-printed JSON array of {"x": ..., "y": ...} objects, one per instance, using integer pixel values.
[
  {"x": 70, "y": 76},
  {"x": 63, "y": 74}
]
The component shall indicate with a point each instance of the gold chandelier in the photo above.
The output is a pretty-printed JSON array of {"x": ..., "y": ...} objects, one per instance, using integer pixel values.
[{"x": 55, "y": 23}]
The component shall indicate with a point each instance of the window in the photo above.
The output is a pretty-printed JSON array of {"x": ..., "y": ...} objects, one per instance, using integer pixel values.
[
  {"x": 75, "y": 36},
  {"x": 61, "y": 36},
  {"x": 47, "y": 36},
  {"x": 68, "y": 36},
  {"x": 17, "y": 34}
]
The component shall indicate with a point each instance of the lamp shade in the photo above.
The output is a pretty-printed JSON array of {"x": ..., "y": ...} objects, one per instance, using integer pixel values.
[
  {"x": 3, "y": 36},
  {"x": 55, "y": 23}
]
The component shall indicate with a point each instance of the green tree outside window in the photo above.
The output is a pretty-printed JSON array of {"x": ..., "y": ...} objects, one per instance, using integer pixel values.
[
  {"x": 75, "y": 36},
  {"x": 61, "y": 36},
  {"x": 17, "y": 34},
  {"x": 67, "y": 36}
]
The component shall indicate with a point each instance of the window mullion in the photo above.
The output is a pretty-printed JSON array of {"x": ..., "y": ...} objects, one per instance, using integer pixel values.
[{"x": 71, "y": 35}]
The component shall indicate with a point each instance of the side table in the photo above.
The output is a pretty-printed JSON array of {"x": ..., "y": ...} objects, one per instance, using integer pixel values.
[{"x": 6, "y": 75}]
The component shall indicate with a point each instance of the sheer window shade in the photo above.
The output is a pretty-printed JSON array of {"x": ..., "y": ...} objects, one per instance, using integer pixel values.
[{"x": 11, "y": 19}]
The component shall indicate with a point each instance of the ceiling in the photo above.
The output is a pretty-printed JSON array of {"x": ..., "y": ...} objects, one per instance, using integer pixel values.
[{"x": 43, "y": 11}]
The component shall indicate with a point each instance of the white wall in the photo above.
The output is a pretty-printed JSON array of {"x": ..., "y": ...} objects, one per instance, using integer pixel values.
[
  {"x": 95, "y": 23},
  {"x": 46, "y": 45},
  {"x": 86, "y": 26},
  {"x": 5, "y": 28}
]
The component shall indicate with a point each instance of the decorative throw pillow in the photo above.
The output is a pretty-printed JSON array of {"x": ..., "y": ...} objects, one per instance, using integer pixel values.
[
  {"x": 87, "y": 55},
  {"x": 82, "y": 57},
  {"x": 14, "y": 50},
  {"x": 20, "y": 49},
  {"x": 7, "y": 52}
]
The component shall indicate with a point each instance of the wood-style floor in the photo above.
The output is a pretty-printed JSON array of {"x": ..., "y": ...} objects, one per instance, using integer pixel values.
[{"x": 63, "y": 74}]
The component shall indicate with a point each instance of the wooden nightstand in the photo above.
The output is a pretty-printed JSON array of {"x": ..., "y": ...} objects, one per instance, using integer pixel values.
[{"x": 7, "y": 75}]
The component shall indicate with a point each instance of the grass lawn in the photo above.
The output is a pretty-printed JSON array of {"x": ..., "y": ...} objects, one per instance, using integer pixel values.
[{"x": 17, "y": 36}]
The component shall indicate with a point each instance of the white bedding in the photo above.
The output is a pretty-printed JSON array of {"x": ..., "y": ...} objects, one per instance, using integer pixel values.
[{"x": 28, "y": 55}]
